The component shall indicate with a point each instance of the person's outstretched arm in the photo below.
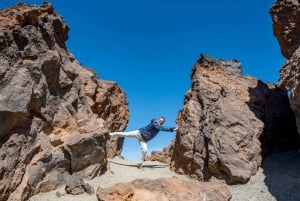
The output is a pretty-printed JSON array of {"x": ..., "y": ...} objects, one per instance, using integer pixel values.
[{"x": 164, "y": 128}]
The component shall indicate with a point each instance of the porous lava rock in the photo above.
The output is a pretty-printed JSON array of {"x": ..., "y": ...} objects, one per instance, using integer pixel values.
[
  {"x": 55, "y": 114},
  {"x": 228, "y": 121}
]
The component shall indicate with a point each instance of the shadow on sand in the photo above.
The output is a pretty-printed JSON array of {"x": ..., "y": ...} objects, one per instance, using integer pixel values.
[
  {"x": 143, "y": 166},
  {"x": 279, "y": 141},
  {"x": 282, "y": 175}
]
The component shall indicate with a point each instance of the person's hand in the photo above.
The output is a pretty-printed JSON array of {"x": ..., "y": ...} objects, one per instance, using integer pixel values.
[{"x": 175, "y": 129}]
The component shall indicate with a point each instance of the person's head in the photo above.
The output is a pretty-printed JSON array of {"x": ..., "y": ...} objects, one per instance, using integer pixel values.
[{"x": 161, "y": 120}]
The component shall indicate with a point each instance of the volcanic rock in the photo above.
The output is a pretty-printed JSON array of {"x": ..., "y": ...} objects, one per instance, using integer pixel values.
[
  {"x": 170, "y": 189},
  {"x": 286, "y": 28},
  {"x": 223, "y": 119},
  {"x": 75, "y": 186},
  {"x": 55, "y": 114},
  {"x": 161, "y": 156},
  {"x": 286, "y": 25}
]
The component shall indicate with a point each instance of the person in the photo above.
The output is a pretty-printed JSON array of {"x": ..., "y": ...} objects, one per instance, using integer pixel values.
[{"x": 144, "y": 134}]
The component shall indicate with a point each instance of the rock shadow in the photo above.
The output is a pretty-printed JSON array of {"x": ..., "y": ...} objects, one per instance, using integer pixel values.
[
  {"x": 271, "y": 105},
  {"x": 279, "y": 140},
  {"x": 282, "y": 175}
]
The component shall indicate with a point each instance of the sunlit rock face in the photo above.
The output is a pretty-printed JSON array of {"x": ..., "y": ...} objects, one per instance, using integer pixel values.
[
  {"x": 55, "y": 114},
  {"x": 228, "y": 121},
  {"x": 170, "y": 189}
]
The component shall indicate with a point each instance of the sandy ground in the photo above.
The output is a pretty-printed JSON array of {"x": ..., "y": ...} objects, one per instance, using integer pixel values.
[
  {"x": 277, "y": 180},
  {"x": 121, "y": 171}
]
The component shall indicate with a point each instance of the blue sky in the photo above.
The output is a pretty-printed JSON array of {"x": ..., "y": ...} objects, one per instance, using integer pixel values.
[{"x": 150, "y": 46}]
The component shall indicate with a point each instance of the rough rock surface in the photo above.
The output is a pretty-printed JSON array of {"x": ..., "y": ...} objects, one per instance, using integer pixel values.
[
  {"x": 169, "y": 189},
  {"x": 224, "y": 116},
  {"x": 286, "y": 25},
  {"x": 161, "y": 156},
  {"x": 55, "y": 114},
  {"x": 286, "y": 28},
  {"x": 76, "y": 186}
]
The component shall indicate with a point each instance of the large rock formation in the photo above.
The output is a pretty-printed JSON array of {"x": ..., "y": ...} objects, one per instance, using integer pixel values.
[
  {"x": 165, "y": 190},
  {"x": 286, "y": 25},
  {"x": 54, "y": 113},
  {"x": 224, "y": 116},
  {"x": 286, "y": 28}
]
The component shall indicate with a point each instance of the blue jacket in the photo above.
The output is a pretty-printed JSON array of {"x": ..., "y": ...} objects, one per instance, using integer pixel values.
[{"x": 150, "y": 131}]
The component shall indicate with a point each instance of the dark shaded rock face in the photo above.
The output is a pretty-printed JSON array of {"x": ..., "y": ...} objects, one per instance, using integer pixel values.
[
  {"x": 55, "y": 114},
  {"x": 224, "y": 116},
  {"x": 286, "y": 28}
]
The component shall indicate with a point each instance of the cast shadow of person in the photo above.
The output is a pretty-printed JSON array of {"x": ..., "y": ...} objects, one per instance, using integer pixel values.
[{"x": 152, "y": 166}]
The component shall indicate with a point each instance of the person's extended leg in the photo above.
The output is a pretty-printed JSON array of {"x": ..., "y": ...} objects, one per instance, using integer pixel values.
[{"x": 134, "y": 134}]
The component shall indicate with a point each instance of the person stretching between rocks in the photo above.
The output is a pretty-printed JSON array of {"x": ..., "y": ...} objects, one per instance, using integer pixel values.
[{"x": 143, "y": 135}]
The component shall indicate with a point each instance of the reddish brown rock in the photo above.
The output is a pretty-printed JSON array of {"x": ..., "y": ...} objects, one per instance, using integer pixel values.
[
  {"x": 161, "y": 156},
  {"x": 76, "y": 186},
  {"x": 55, "y": 114},
  {"x": 165, "y": 190},
  {"x": 286, "y": 25},
  {"x": 224, "y": 116}
]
